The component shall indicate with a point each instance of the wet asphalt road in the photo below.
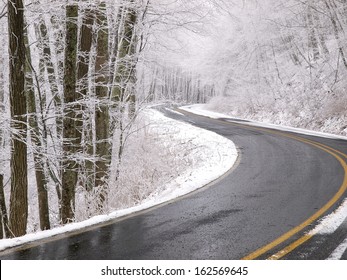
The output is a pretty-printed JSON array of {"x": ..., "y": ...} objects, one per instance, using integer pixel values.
[{"x": 277, "y": 184}]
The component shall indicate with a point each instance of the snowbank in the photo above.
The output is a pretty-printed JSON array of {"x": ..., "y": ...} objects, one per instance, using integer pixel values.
[{"x": 202, "y": 109}]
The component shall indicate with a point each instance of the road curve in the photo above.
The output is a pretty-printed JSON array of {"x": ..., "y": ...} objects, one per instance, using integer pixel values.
[{"x": 283, "y": 183}]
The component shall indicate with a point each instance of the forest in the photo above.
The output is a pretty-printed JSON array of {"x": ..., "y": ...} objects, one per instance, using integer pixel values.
[{"x": 77, "y": 76}]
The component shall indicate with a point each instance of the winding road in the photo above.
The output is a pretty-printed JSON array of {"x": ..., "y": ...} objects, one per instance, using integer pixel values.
[{"x": 282, "y": 184}]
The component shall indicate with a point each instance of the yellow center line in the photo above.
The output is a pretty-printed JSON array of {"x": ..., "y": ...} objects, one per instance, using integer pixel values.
[
  {"x": 327, "y": 147},
  {"x": 291, "y": 247}
]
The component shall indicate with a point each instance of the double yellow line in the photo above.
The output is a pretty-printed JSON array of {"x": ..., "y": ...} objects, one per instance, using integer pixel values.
[{"x": 283, "y": 238}]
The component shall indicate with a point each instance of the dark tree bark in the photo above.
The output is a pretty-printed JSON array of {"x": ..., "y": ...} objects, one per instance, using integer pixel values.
[
  {"x": 47, "y": 63},
  {"x": 126, "y": 62},
  {"x": 86, "y": 38},
  {"x": 102, "y": 119},
  {"x": 19, "y": 180},
  {"x": 5, "y": 230},
  {"x": 46, "y": 53},
  {"x": 41, "y": 180},
  {"x": 70, "y": 131},
  {"x": 123, "y": 92}
]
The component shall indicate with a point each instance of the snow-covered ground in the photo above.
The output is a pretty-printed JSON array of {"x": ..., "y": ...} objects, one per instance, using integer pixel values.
[
  {"x": 328, "y": 224},
  {"x": 201, "y": 109},
  {"x": 211, "y": 155}
]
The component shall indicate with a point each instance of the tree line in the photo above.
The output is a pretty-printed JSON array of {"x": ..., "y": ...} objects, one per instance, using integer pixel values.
[
  {"x": 73, "y": 80},
  {"x": 62, "y": 102},
  {"x": 280, "y": 60}
]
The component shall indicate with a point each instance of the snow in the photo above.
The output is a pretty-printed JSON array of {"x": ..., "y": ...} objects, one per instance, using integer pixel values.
[
  {"x": 200, "y": 109},
  {"x": 331, "y": 222},
  {"x": 338, "y": 252},
  {"x": 216, "y": 156}
]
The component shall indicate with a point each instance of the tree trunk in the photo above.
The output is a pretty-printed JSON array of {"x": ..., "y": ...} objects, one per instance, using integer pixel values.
[
  {"x": 46, "y": 58},
  {"x": 321, "y": 35},
  {"x": 102, "y": 118},
  {"x": 46, "y": 54},
  {"x": 123, "y": 92},
  {"x": 41, "y": 181},
  {"x": 70, "y": 131},
  {"x": 5, "y": 230},
  {"x": 86, "y": 36},
  {"x": 19, "y": 180},
  {"x": 2, "y": 199},
  {"x": 126, "y": 62},
  {"x": 2, "y": 94},
  {"x": 313, "y": 42}
]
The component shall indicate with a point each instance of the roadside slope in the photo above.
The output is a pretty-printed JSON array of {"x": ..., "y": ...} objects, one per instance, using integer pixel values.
[{"x": 208, "y": 157}]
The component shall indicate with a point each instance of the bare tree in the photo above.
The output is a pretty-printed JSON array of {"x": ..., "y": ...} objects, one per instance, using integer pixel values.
[
  {"x": 84, "y": 78},
  {"x": 123, "y": 91},
  {"x": 35, "y": 132},
  {"x": 71, "y": 134},
  {"x": 102, "y": 117},
  {"x": 4, "y": 226},
  {"x": 19, "y": 180}
]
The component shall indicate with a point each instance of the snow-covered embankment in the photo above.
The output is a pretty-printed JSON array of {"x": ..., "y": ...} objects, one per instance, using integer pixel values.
[{"x": 206, "y": 157}]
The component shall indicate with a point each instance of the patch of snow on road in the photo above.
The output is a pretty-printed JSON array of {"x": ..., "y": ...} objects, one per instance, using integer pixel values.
[
  {"x": 331, "y": 222},
  {"x": 214, "y": 155},
  {"x": 339, "y": 251}
]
